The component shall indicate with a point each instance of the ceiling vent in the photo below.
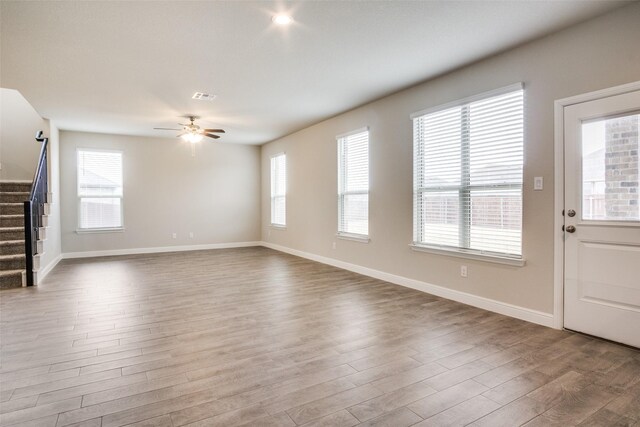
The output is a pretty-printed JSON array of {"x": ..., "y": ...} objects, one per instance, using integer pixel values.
[{"x": 203, "y": 96}]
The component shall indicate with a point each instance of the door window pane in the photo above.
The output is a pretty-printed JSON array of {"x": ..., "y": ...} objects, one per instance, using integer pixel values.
[{"x": 610, "y": 169}]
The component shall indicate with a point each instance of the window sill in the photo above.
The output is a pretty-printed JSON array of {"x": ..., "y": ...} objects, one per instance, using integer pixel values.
[
  {"x": 99, "y": 230},
  {"x": 278, "y": 227},
  {"x": 517, "y": 262},
  {"x": 353, "y": 237}
]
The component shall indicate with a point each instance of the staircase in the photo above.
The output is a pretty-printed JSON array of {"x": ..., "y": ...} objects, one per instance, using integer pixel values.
[{"x": 12, "y": 247}]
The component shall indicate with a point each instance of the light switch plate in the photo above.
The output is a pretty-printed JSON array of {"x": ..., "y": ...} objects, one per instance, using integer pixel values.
[{"x": 538, "y": 183}]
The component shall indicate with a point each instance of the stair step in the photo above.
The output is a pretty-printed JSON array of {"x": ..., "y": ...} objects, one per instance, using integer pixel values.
[
  {"x": 11, "y": 279},
  {"x": 11, "y": 233},
  {"x": 15, "y": 220},
  {"x": 12, "y": 208},
  {"x": 13, "y": 196},
  {"x": 12, "y": 262},
  {"x": 11, "y": 247},
  {"x": 15, "y": 186}
]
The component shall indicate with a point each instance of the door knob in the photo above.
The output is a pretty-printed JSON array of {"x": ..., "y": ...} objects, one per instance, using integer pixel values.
[
  {"x": 570, "y": 229},
  {"x": 571, "y": 213}
]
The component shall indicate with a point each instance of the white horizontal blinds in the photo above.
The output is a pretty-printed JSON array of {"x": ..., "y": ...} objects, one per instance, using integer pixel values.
[
  {"x": 279, "y": 190},
  {"x": 495, "y": 166},
  {"x": 100, "y": 189},
  {"x": 468, "y": 175},
  {"x": 437, "y": 139},
  {"x": 353, "y": 184}
]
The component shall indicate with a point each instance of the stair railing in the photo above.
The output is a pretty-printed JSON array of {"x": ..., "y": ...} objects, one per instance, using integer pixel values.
[{"x": 34, "y": 207}]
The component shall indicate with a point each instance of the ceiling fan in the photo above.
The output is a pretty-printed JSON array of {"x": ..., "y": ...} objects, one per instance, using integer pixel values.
[{"x": 193, "y": 133}]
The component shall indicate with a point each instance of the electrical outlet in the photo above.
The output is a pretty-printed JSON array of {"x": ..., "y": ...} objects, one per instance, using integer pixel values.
[
  {"x": 269, "y": 233},
  {"x": 333, "y": 245},
  {"x": 191, "y": 234},
  {"x": 175, "y": 235},
  {"x": 463, "y": 270}
]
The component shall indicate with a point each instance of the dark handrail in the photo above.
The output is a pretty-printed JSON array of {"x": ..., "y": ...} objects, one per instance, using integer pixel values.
[
  {"x": 34, "y": 207},
  {"x": 41, "y": 158}
]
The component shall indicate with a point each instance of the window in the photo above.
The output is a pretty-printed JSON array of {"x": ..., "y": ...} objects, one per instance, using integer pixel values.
[
  {"x": 468, "y": 159},
  {"x": 279, "y": 190},
  {"x": 99, "y": 189},
  {"x": 353, "y": 184}
]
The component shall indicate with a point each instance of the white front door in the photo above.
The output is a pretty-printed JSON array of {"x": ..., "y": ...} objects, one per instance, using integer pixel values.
[{"x": 602, "y": 218}]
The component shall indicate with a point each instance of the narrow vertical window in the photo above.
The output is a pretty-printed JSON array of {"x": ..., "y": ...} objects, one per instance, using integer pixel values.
[
  {"x": 468, "y": 159},
  {"x": 99, "y": 189},
  {"x": 279, "y": 190},
  {"x": 353, "y": 184}
]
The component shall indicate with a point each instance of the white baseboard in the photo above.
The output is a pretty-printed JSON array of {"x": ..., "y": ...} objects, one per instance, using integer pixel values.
[
  {"x": 511, "y": 310},
  {"x": 158, "y": 249},
  {"x": 42, "y": 272}
]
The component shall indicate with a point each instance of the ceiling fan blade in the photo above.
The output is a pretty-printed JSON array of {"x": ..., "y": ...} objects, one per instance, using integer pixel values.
[
  {"x": 166, "y": 129},
  {"x": 210, "y": 135},
  {"x": 214, "y": 130},
  {"x": 180, "y": 134}
]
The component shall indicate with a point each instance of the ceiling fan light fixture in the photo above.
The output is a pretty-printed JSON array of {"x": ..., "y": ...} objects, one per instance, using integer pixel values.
[
  {"x": 282, "y": 19},
  {"x": 193, "y": 133},
  {"x": 192, "y": 137}
]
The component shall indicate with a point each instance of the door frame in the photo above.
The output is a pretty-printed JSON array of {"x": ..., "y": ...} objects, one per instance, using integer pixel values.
[{"x": 558, "y": 204}]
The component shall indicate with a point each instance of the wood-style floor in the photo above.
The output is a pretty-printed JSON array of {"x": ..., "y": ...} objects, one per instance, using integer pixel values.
[{"x": 256, "y": 337}]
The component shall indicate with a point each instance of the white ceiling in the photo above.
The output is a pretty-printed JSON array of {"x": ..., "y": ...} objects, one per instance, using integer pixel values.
[{"x": 126, "y": 67}]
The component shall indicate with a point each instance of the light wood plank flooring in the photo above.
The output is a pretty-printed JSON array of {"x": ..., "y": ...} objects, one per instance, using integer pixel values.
[{"x": 255, "y": 337}]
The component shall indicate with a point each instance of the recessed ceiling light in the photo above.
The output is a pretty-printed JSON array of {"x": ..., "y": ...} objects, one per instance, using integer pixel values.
[{"x": 282, "y": 19}]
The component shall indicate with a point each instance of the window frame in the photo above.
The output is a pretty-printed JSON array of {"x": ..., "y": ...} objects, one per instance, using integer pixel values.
[
  {"x": 340, "y": 140},
  {"x": 79, "y": 228},
  {"x": 272, "y": 196},
  {"x": 465, "y": 187}
]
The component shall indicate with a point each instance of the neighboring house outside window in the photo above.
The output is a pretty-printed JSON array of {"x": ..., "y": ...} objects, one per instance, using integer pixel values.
[
  {"x": 99, "y": 189},
  {"x": 468, "y": 160},
  {"x": 279, "y": 190}
]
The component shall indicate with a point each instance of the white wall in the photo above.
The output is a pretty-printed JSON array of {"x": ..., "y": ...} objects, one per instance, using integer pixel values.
[
  {"x": 19, "y": 153},
  {"x": 215, "y": 194},
  {"x": 594, "y": 55},
  {"x": 53, "y": 244},
  {"x": 19, "y": 123}
]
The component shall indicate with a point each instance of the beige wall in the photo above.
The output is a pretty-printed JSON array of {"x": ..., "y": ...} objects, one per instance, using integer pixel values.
[
  {"x": 166, "y": 190},
  {"x": 594, "y": 55},
  {"x": 19, "y": 123}
]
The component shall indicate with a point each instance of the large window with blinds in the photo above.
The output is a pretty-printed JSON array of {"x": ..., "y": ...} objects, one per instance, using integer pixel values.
[
  {"x": 353, "y": 184},
  {"x": 468, "y": 159},
  {"x": 99, "y": 189},
  {"x": 279, "y": 190}
]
